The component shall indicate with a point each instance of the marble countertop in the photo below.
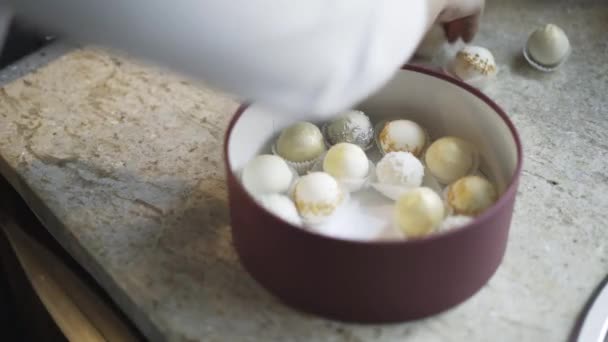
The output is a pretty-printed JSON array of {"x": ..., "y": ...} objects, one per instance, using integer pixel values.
[{"x": 122, "y": 162}]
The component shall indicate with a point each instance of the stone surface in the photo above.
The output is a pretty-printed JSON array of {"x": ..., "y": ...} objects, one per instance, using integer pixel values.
[{"x": 123, "y": 164}]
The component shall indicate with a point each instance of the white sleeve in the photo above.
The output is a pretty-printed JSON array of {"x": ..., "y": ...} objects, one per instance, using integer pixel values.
[{"x": 316, "y": 56}]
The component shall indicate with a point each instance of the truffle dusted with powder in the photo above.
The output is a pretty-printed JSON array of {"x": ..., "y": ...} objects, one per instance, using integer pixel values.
[{"x": 402, "y": 136}]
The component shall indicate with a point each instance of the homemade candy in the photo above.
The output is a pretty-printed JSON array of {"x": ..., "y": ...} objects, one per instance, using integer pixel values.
[
  {"x": 300, "y": 142},
  {"x": 317, "y": 196},
  {"x": 352, "y": 127},
  {"x": 418, "y": 212},
  {"x": 346, "y": 161},
  {"x": 470, "y": 195},
  {"x": 474, "y": 65},
  {"x": 267, "y": 174},
  {"x": 402, "y": 135},
  {"x": 547, "y": 48},
  {"x": 401, "y": 169},
  {"x": 450, "y": 158}
]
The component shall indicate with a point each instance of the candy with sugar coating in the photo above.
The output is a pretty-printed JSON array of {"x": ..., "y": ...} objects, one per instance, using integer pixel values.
[{"x": 400, "y": 169}]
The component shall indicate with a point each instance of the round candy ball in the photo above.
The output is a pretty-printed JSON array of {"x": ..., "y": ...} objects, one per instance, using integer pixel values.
[
  {"x": 317, "y": 196},
  {"x": 419, "y": 211},
  {"x": 474, "y": 63},
  {"x": 300, "y": 142},
  {"x": 471, "y": 195},
  {"x": 266, "y": 174},
  {"x": 346, "y": 161},
  {"x": 450, "y": 158},
  {"x": 404, "y": 136},
  {"x": 352, "y": 127},
  {"x": 400, "y": 169}
]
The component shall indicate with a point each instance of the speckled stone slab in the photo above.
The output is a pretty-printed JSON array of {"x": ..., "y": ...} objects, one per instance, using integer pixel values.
[{"x": 122, "y": 162}]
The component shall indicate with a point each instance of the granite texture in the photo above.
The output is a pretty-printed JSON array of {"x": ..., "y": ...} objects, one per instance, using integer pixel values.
[{"x": 122, "y": 162}]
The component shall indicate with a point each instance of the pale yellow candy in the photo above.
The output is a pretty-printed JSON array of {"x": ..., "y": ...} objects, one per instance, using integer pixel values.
[
  {"x": 471, "y": 195},
  {"x": 346, "y": 161},
  {"x": 450, "y": 158},
  {"x": 419, "y": 212},
  {"x": 300, "y": 142}
]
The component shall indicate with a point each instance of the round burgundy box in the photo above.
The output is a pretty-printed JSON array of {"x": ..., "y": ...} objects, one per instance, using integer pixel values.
[{"x": 383, "y": 281}]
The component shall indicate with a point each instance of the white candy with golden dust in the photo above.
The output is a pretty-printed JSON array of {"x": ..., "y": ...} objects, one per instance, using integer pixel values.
[
  {"x": 400, "y": 169},
  {"x": 346, "y": 161},
  {"x": 402, "y": 135},
  {"x": 300, "y": 142},
  {"x": 450, "y": 158},
  {"x": 419, "y": 212},
  {"x": 474, "y": 65},
  {"x": 266, "y": 174},
  {"x": 317, "y": 196},
  {"x": 453, "y": 222},
  {"x": 470, "y": 195},
  {"x": 281, "y": 206},
  {"x": 547, "y": 46}
]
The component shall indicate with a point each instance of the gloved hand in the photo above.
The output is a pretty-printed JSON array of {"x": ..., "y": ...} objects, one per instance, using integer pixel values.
[{"x": 460, "y": 18}]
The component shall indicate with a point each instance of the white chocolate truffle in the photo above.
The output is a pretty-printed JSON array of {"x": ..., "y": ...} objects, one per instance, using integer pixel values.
[
  {"x": 548, "y": 46},
  {"x": 419, "y": 212},
  {"x": 453, "y": 222},
  {"x": 281, "y": 206},
  {"x": 450, "y": 158},
  {"x": 346, "y": 161},
  {"x": 266, "y": 174},
  {"x": 402, "y": 135},
  {"x": 432, "y": 42},
  {"x": 474, "y": 65},
  {"x": 471, "y": 195},
  {"x": 317, "y": 196},
  {"x": 400, "y": 169},
  {"x": 352, "y": 127},
  {"x": 300, "y": 142}
]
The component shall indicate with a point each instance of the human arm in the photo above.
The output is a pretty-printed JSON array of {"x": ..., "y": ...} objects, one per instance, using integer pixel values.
[{"x": 314, "y": 56}]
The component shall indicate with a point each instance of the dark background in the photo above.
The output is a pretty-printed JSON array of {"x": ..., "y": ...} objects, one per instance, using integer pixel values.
[
  {"x": 22, "y": 314},
  {"x": 20, "y": 41}
]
